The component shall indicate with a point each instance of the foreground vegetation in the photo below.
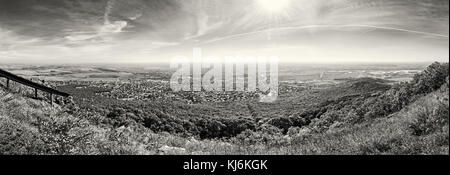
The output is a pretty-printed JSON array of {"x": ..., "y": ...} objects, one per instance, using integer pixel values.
[{"x": 361, "y": 116}]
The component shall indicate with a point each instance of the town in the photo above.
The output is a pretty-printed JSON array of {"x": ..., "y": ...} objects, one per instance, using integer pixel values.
[{"x": 230, "y": 74}]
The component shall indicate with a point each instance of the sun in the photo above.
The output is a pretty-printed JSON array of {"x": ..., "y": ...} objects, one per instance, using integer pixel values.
[{"x": 273, "y": 6}]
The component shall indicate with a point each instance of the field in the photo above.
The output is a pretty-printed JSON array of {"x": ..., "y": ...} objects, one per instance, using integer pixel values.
[{"x": 321, "y": 109}]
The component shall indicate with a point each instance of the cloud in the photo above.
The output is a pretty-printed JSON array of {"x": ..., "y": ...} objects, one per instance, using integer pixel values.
[
  {"x": 107, "y": 29},
  {"x": 124, "y": 29},
  {"x": 115, "y": 27},
  {"x": 11, "y": 44}
]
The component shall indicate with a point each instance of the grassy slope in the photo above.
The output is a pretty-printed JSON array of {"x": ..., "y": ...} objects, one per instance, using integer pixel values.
[
  {"x": 391, "y": 135},
  {"x": 29, "y": 126}
]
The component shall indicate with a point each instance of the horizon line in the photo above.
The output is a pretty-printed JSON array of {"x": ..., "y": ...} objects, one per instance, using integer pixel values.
[{"x": 168, "y": 62}]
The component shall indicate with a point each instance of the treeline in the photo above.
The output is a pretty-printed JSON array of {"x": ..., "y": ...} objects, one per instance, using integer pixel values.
[{"x": 183, "y": 122}]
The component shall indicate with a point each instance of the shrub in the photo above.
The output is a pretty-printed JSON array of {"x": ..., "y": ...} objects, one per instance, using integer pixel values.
[
  {"x": 429, "y": 115},
  {"x": 431, "y": 79},
  {"x": 269, "y": 136}
]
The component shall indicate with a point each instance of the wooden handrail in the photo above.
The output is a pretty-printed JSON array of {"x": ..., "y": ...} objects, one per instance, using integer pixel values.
[{"x": 10, "y": 76}]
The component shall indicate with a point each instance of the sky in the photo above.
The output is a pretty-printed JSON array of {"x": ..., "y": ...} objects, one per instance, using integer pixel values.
[{"x": 141, "y": 31}]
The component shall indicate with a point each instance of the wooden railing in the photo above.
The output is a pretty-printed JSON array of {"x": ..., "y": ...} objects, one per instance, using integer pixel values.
[{"x": 11, "y": 77}]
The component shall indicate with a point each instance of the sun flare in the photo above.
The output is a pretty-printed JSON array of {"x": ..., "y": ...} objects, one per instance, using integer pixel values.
[{"x": 273, "y": 6}]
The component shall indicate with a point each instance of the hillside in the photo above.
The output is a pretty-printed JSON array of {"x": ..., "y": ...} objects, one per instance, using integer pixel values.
[
  {"x": 29, "y": 126},
  {"x": 360, "y": 116}
]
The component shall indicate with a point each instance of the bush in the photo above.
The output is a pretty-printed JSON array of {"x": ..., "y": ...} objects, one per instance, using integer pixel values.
[
  {"x": 326, "y": 120},
  {"x": 268, "y": 135},
  {"x": 431, "y": 79},
  {"x": 430, "y": 115}
]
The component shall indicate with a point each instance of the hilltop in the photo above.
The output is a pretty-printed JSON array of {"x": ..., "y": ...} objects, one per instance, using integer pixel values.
[{"x": 358, "y": 116}]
